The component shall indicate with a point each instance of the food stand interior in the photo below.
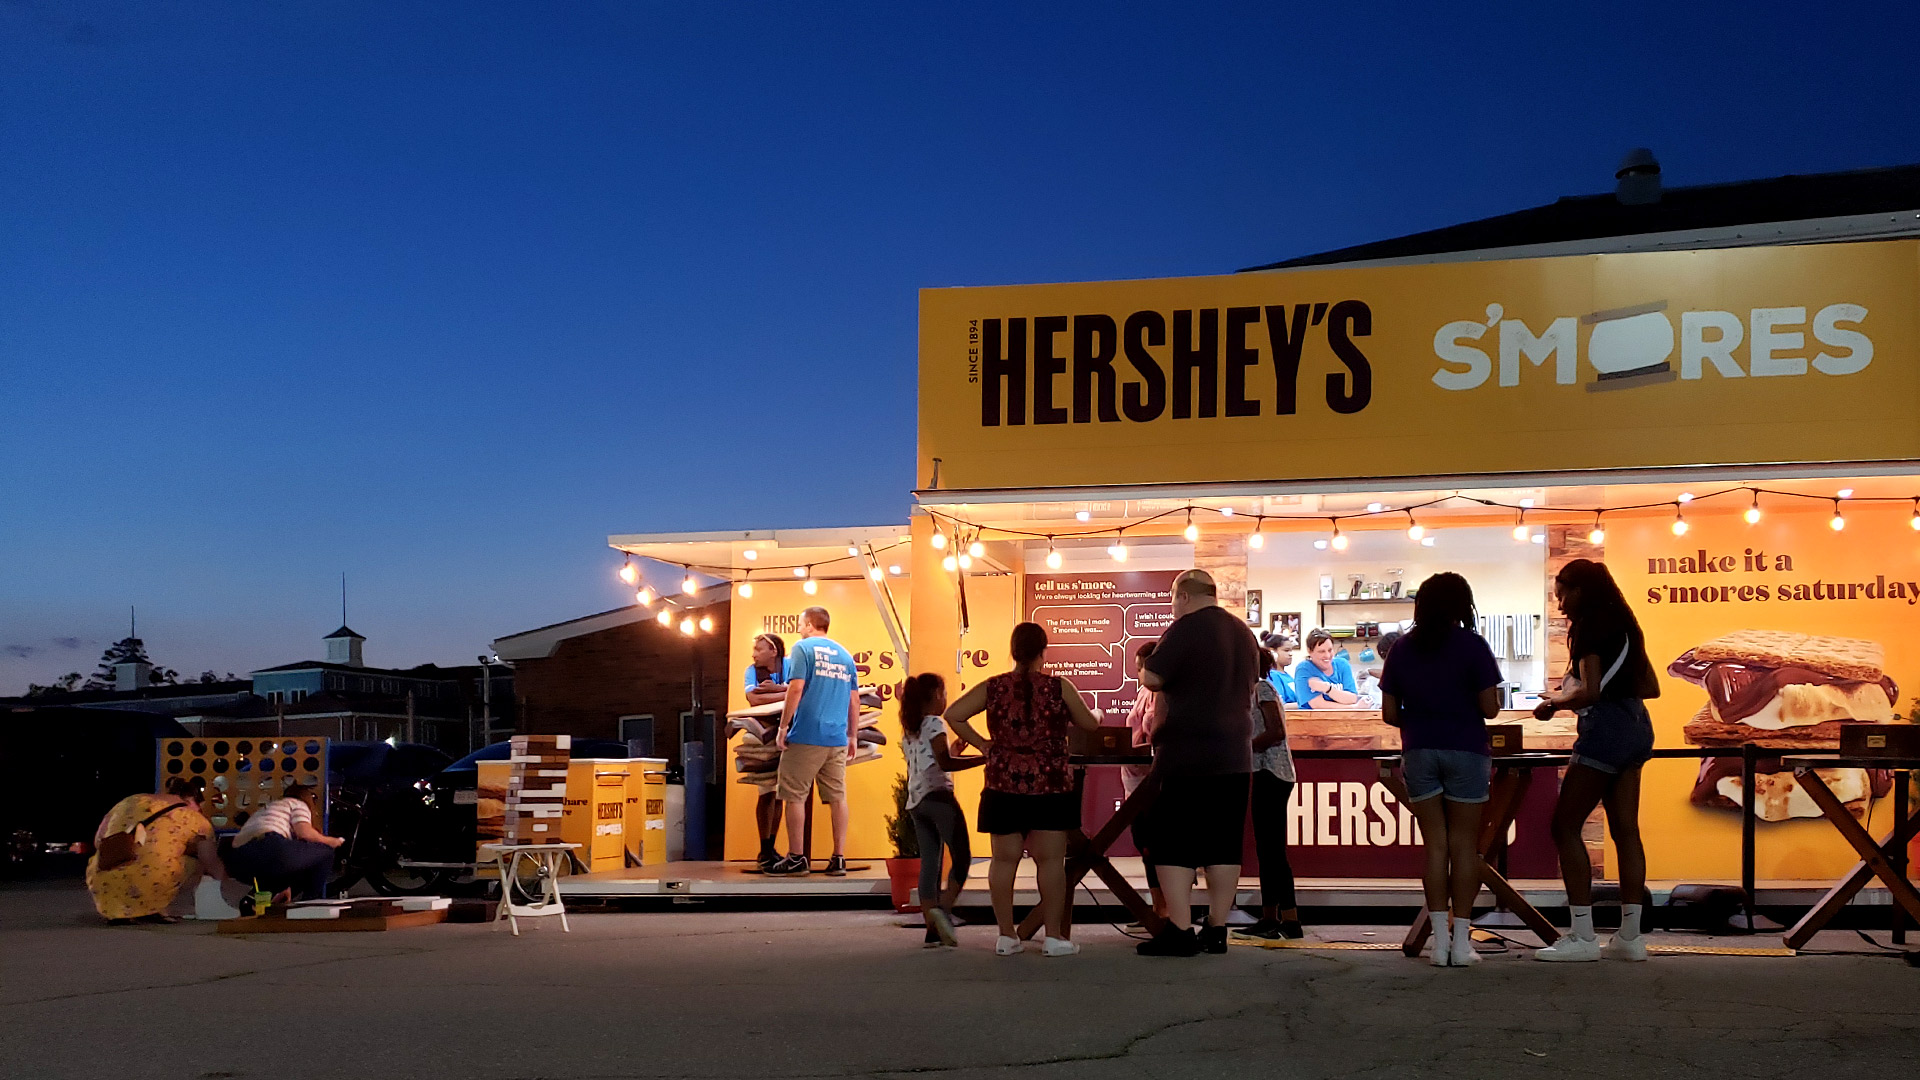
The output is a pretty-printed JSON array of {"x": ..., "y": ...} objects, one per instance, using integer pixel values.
[{"x": 1506, "y": 540}]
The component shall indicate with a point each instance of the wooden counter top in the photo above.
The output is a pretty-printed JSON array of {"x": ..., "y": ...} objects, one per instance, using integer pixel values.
[{"x": 1362, "y": 729}]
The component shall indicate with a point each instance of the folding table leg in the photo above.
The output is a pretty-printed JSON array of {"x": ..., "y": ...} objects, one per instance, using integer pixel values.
[{"x": 1873, "y": 861}]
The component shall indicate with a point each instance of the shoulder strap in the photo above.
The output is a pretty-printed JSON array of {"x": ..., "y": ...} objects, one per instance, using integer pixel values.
[
  {"x": 1618, "y": 662},
  {"x": 163, "y": 813}
]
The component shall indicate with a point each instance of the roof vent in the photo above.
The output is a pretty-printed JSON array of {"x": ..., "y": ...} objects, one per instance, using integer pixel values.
[{"x": 1637, "y": 182}]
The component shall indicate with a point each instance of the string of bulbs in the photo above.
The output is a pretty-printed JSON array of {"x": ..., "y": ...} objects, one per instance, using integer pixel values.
[
  {"x": 1416, "y": 532},
  {"x": 645, "y": 595}
]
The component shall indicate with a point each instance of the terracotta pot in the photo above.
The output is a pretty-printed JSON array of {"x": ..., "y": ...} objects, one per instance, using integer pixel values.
[{"x": 903, "y": 874}]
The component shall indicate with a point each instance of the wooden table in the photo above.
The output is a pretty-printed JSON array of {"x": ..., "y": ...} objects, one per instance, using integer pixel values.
[
  {"x": 1886, "y": 860},
  {"x": 1512, "y": 776},
  {"x": 1089, "y": 853}
]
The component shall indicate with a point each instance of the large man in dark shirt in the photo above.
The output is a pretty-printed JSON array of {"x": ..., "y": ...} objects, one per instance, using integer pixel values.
[{"x": 1204, "y": 669}]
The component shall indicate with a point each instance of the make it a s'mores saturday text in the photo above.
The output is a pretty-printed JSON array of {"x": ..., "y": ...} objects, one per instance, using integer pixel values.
[{"x": 1755, "y": 561}]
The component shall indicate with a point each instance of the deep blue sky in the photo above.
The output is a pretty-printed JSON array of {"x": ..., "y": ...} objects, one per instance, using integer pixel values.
[{"x": 442, "y": 294}]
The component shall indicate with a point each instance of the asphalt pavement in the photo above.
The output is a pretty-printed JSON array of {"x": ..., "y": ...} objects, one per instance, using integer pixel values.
[{"x": 790, "y": 994}]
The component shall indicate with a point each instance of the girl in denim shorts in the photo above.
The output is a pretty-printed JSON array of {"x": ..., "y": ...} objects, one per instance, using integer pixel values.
[{"x": 1607, "y": 684}]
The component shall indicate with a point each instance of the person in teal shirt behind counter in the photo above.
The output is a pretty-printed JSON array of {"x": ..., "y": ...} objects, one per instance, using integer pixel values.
[
  {"x": 1324, "y": 680},
  {"x": 1281, "y": 676}
]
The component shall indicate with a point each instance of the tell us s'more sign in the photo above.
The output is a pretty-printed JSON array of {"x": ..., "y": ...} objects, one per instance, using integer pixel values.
[{"x": 1740, "y": 356}]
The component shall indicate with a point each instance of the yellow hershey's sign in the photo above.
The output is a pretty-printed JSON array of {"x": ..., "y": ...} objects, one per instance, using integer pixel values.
[{"x": 1742, "y": 356}]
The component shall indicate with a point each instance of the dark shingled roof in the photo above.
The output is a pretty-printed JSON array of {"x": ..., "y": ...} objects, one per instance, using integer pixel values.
[
  {"x": 343, "y": 632},
  {"x": 1707, "y": 206}
]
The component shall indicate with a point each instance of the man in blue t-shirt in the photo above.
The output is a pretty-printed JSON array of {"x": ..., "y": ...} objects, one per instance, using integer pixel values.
[{"x": 818, "y": 728}]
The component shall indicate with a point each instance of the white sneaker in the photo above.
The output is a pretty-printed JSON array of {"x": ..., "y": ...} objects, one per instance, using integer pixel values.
[
  {"x": 1570, "y": 950},
  {"x": 1054, "y": 946},
  {"x": 1619, "y": 948},
  {"x": 1442, "y": 953},
  {"x": 1008, "y": 946}
]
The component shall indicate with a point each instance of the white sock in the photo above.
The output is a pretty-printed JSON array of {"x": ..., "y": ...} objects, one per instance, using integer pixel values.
[
  {"x": 1442, "y": 941},
  {"x": 1463, "y": 942},
  {"x": 1629, "y": 921},
  {"x": 1582, "y": 922}
]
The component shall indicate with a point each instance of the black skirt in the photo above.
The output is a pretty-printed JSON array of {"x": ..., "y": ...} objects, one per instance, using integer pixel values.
[{"x": 1004, "y": 813}]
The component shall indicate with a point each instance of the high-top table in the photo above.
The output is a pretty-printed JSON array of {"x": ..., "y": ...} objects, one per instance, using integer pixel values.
[
  {"x": 1512, "y": 776},
  {"x": 1089, "y": 853},
  {"x": 1886, "y": 860}
]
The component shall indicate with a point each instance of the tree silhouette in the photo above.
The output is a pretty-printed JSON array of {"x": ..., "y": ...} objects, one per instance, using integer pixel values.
[{"x": 127, "y": 651}]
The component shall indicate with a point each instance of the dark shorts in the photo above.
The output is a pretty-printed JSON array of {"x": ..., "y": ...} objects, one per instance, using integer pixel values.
[
  {"x": 1003, "y": 813},
  {"x": 1199, "y": 820},
  {"x": 1614, "y": 736}
]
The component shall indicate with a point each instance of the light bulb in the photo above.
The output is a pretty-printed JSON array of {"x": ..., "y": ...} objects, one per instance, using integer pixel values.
[
  {"x": 965, "y": 561},
  {"x": 1256, "y": 541},
  {"x": 1753, "y": 514},
  {"x": 746, "y": 590},
  {"x": 799, "y": 571},
  {"x": 1679, "y": 525},
  {"x": 1191, "y": 532},
  {"x": 750, "y": 555},
  {"x": 689, "y": 586},
  {"x": 644, "y": 597},
  {"x": 686, "y": 627},
  {"x": 1836, "y": 523},
  {"x": 1597, "y": 536},
  {"x": 876, "y": 573},
  {"x": 1915, "y": 519},
  {"x": 1415, "y": 530},
  {"x": 666, "y": 617},
  {"x": 977, "y": 549},
  {"x": 939, "y": 541},
  {"x": 1519, "y": 532},
  {"x": 706, "y": 624},
  {"x": 810, "y": 586},
  {"x": 1339, "y": 540},
  {"x": 950, "y": 564},
  {"x": 1053, "y": 557},
  {"x": 1118, "y": 551},
  {"x": 629, "y": 573}
]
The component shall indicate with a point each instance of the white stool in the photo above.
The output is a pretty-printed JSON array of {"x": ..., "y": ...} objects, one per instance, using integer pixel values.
[{"x": 546, "y": 859}]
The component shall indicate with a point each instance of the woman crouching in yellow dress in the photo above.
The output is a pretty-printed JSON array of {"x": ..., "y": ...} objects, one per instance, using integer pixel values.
[{"x": 174, "y": 846}]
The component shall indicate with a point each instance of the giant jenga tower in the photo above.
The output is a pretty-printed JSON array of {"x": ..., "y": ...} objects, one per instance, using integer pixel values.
[{"x": 536, "y": 788}]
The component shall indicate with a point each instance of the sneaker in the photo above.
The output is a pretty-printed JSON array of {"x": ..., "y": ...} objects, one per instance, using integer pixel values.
[
  {"x": 1213, "y": 939},
  {"x": 1463, "y": 952},
  {"x": 794, "y": 865},
  {"x": 1264, "y": 930},
  {"x": 1619, "y": 948},
  {"x": 1170, "y": 942},
  {"x": 941, "y": 926},
  {"x": 1292, "y": 930},
  {"x": 766, "y": 860},
  {"x": 932, "y": 940},
  {"x": 836, "y": 867},
  {"x": 1570, "y": 950},
  {"x": 1054, "y": 946},
  {"x": 1008, "y": 946}
]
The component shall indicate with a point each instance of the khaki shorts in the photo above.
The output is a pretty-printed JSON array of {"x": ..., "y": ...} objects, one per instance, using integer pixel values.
[{"x": 823, "y": 767}]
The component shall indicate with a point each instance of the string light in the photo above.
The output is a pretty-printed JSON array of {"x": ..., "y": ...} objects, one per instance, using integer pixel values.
[
  {"x": 1837, "y": 523},
  {"x": 746, "y": 590},
  {"x": 939, "y": 540},
  {"x": 1118, "y": 549},
  {"x": 1679, "y": 521},
  {"x": 1753, "y": 512},
  {"x": 1915, "y": 519},
  {"x": 1256, "y": 541},
  {"x": 1053, "y": 554},
  {"x": 666, "y": 617},
  {"x": 1598, "y": 534},
  {"x": 706, "y": 624},
  {"x": 686, "y": 627},
  {"x": 1520, "y": 526},
  {"x": 950, "y": 564},
  {"x": 1339, "y": 541},
  {"x": 977, "y": 549},
  {"x": 1192, "y": 531},
  {"x": 965, "y": 560},
  {"x": 688, "y": 585},
  {"x": 629, "y": 573},
  {"x": 810, "y": 586},
  {"x": 1415, "y": 530},
  {"x": 876, "y": 573},
  {"x": 644, "y": 597}
]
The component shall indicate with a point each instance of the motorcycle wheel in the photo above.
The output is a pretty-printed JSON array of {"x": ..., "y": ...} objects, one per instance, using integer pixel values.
[{"x": 390, "y": 878}]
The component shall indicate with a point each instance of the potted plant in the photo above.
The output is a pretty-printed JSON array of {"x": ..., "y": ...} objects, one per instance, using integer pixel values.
[{"x": 903, "y": 870}]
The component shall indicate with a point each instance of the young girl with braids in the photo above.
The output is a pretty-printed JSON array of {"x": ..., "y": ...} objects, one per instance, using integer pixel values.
[{"x": 938, "y": 821}]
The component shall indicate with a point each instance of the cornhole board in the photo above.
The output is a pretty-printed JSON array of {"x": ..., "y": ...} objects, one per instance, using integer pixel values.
[{"x": 377, "y": 918}]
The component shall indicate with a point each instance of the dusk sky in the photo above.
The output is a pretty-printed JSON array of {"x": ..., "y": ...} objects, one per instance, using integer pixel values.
[{"x": 440, "y": 295}]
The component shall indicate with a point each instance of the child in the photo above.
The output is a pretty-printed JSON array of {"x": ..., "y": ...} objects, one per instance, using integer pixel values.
[{"x": 937, "y": 818}]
